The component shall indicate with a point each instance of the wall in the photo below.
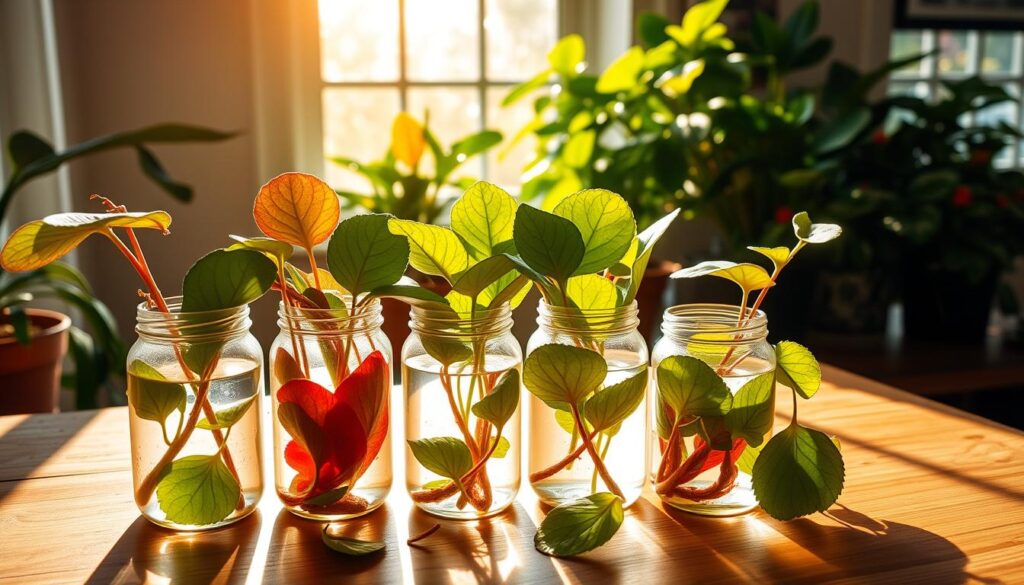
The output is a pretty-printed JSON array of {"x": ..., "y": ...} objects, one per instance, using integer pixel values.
[{"x": 127, "y": 64}]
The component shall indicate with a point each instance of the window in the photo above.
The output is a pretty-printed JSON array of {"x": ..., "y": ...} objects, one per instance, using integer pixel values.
[
  {"x": 454, "y": 58},
  {"x": 996, "y": 56}
]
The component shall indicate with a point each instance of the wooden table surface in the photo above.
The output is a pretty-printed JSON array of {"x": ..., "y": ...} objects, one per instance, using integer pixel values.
[{"x": 932, "y": 496}]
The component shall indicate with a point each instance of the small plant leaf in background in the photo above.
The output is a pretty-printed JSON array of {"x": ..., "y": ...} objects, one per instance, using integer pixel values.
[
  {"x": 352, "y": 547},
  {"x": 579, "y": 526},
  {"x": 499, "y": 406},
  {"x": 561, "y": 375},
  {"x": 797, "y": 368},
  {"x": 612, "y": 405},
  {"x": 814, "y": 233},
  {"x": 753, "y": 410},
  {"x": 42, "y": 241},
  {"x": 407, "y": 140},
  {"x": 566, "y": 57},
  {"x": 446, "y": 456},
  {"x": 692, "y": 388},
  {"x": 363, "y": 254},
  {"x": 547, "y": 243},
  {"x": 623, "y": 73},
  {"x": 297, "y": 208},
  {"x": 197, "y": 490},
  {"x": 798, "y": 472},
  {"x": 433, "y": 249},
  {"x": 605, "y": 223},
  {"x": 483, "y": 218}
]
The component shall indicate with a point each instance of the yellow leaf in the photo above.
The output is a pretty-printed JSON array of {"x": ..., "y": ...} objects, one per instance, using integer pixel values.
[
  {"x": 407, "y": 141},
  {"x": 40, "y": 242},
  {"x": 623, "y": 73},
  {"x": 747, "y": 276},
  {"x": 778, "y": 255},
  {"x": 678, "y": 85},
  {"x": 297, "y": 208}
]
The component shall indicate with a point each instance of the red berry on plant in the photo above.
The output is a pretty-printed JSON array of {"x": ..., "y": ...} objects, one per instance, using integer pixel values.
[
  {"x": 981, "y": 157},
  {"x": 962, "y": 196},
  {"x": 783, "y": 215},
  {"x": 879, "y": 137}
]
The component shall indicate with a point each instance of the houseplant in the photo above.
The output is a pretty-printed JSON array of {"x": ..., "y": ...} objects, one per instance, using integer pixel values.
[
  {"x": 405, "y": 186},
  {"x": 100, "y": 352},
  {"x": 197, "y": 467},
  {"x": 330, "y": 364},
  {"x": 691, "y": 120},
  {"x": 925, "y": 201}
]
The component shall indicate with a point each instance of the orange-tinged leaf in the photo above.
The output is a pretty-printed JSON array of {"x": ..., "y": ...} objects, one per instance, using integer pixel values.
[
  {"x": 43, "y": 241},
  {"x": 407, "y": 140},
  {"x": 297, "y": 208}
]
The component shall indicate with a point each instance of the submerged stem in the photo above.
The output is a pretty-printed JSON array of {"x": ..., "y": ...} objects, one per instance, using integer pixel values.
[{"x": 609, "y": 482}]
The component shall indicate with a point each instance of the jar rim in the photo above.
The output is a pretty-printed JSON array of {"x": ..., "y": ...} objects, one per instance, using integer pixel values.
[
  {"x": 574, "y": 320},
  {"x": 436, "y": 322},
  {"x": 697, "y": 318},
  {"x": 310, "y": 321},
  {"x": 144, "y": 311},
  {"x": 190, "y": 326}
]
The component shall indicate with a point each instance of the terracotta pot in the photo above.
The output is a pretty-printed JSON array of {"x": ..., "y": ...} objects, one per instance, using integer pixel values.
[
  {"x": 649, "y": 297},
  {"x": 30, "y": 374},
  {"x": 396, "y": 313}
]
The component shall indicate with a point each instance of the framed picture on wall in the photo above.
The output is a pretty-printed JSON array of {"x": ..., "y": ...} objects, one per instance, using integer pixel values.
[{"x": 960, "y": 14}]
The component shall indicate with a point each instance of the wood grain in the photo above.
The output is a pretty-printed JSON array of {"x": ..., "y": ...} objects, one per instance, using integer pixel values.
[{"x": 933, "y": 495}]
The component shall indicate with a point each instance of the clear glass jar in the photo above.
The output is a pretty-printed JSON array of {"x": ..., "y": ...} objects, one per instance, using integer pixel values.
[
  {"x": 561, "y": 470},
  {"x": 448, "y": 365},
  {"x": 330, "y": 383},
  {"x": 739, "y": 352},
  {"x": 194, "y": 386}
]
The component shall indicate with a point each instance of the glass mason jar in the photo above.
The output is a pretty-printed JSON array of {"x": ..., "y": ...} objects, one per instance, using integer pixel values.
[
  {"x": 330, "y": 383},
  {"x": 739, "y": 352},
  {"x": 448, "y": 365},
  {"x": 194, "y": 386},
  {"x": 561, "y": 470}
]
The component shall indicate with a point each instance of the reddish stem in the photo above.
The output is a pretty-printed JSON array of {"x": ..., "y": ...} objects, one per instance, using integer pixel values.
[{"x": 609, "y": 482}]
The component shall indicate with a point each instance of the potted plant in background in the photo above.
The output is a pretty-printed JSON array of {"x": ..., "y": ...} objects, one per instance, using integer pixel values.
[
  {"x": 33, "y": 341},
  {"x": 692, "y": 119},
  {"x": 401, "y": 187},
  {"x": 925, "y": 202}
]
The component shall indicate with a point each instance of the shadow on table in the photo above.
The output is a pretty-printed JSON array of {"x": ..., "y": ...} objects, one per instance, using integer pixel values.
[
  {"x": 297, "y": 553},
  {"x": 498, "y": 549},
  {"x": 146, "y": 551},
  {"x": 861, "y": 548}
]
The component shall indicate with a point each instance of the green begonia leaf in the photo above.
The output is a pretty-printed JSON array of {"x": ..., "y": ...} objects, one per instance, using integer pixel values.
[
  {"x": 363, "y": 254},
  {"x": 197, "y": 490},
  {"x": 349, "y": 546},
  {"x": 499, "y": 406},
  {"x": 799, "y": 472},
  {"x": 547, "y": 243},
  {"x": 612, "y": 405},
  {"x": 562, "y": 375},
  {"x": 446, "y": 456},
  {"x": 797, "y": 368},
  {"x": 606, "y": 225},
  {"x": 691, "y": 388},
  {"x": 483, "y": 218},
  {"x": 753, "y": 410},
  {"x": 579, "y": 526},
  {"x": 432, "y": 249}
]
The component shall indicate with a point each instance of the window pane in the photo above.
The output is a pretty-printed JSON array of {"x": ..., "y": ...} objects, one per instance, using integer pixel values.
[
  {"x": 907, "y": 43},
  {"x": 1002, "y": 52},
  {"x": 442, "y": 40},
  {"x": 357, "y": 124},
  {"x": 1004, "y": 112},
  {"x": 359, "y": 40},
  {"x": 454, "y": 114},
  {"x": 957, "y": 51},
  {"x": 508, "y": 170},
  {"x": 519, "y": 36}
]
